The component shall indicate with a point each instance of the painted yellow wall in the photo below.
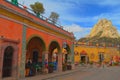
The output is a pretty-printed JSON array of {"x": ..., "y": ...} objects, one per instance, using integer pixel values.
[{"x": 92, "y": 53}]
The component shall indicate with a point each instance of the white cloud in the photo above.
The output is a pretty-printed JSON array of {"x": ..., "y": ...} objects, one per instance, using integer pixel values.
[
  {"x": 77, "y": 30},
  {"x": 73, "y": 28},
  {"x": 79, "y": 35}
]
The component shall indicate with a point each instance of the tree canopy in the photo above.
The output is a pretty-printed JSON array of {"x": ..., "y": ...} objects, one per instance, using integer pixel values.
[
  {"x": 54, "y": 17},
  {"x": 38, "y": 8}
]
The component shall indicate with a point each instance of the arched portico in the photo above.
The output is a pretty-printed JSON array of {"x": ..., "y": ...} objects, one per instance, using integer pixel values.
[
  {"x": 32, "y": 36},
  {"x": 35, "y": 49},
  {"x": 66, "y": 61},
  {"x": 66, "y": 53},
  {"x": 54, "y": 50}
]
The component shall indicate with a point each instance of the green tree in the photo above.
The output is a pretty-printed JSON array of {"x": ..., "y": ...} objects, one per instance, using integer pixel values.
[
  {"x": 37, "y": 8},
  {"x": 54, "y": 17}
]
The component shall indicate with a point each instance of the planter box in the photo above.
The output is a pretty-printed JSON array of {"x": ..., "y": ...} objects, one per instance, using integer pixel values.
[
  {"x": 50, "y": 69},
  {"x": 69, "y": 67},
  {"x": 64, "y": 68}
]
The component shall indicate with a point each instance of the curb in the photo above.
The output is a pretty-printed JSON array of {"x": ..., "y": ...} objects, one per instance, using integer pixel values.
[
  {"x": 55, "y": 74},
  {"x": 67, "y": 72}
]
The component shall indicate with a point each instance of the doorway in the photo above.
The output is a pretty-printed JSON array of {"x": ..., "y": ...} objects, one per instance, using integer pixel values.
[
  {"x": 83, "y": 59},
  {"x": 35, "y": 57},
  {"x": 7, "y": 62}
]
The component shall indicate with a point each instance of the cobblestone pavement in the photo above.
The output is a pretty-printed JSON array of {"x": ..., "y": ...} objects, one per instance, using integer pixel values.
[
  {"x": 82, "y": 73},
  {"x": 106, "y": 73},
  {"x": 54, "y": 74}
]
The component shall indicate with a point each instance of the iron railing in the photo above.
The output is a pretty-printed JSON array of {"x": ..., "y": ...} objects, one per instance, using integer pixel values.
[{"x": 14, "y": 2}]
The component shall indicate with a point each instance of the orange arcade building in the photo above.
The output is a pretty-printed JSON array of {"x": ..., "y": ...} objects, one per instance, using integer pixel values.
[{"x": 30, "y": 43}]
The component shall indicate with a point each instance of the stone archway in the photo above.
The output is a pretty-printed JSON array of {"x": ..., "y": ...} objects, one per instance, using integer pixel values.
[
  {"x": 7, "y": 62},
  {"x": 35, "y": 48},
  {"x": 54, "y": 50},
  {"x": 66, "y": 61},
  {"x": 66, "y": 53},
  {"x": 9, "y": 59}
]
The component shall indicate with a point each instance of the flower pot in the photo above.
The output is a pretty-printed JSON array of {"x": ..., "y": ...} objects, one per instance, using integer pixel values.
[
  {"x": 69, "y": 67},
  {"x": 50, "y": 69}
]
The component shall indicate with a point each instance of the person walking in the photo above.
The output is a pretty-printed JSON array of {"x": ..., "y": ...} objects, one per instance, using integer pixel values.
[{"x": 29, "y": 64}]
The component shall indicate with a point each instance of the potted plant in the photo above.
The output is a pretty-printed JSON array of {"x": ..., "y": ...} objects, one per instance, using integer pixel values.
[
  {"x": 81, "y": 63},
  {"x": 64, "y": 67},
  {"x": 115, "y": 64},
  {"x": 50, "y": 67},
  {"x": 98, "y": 64},
  {"x": 91, "y": 63},
  {"x": 69, "y": 67}
]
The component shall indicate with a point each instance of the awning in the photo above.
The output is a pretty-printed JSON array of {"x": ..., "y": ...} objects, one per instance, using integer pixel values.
[{"x": 83, "y": 53}]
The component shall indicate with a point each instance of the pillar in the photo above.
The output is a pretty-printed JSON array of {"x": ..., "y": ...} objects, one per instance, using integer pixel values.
[
  {"x": 21, "y": 72},
  {"x": 59, "y": 62},
  {"x": 46, "y": 55},
  {"x": 72, "y": 56},
  {"x": 1, "y": 61},
  {"x": 45, "y": 58}
]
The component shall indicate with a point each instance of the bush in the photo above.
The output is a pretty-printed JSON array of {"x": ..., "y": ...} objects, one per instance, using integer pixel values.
[
  {"x": 51, "y": 65},
  {"x": 64, "y": 67},
  {"x": 91, "y": 63},
  {"x": 115, "y": 63}
]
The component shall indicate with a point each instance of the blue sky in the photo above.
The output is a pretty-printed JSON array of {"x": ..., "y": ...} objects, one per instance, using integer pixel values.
[{"x": 79, "y": 16}]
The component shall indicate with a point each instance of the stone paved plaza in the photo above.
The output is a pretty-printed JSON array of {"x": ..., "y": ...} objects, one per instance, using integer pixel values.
[{"x": 83, "y": 73}]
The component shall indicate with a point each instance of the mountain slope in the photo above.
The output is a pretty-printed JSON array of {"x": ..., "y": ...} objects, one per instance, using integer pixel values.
[
  {"x": 103, "y": 32},
  {"x": 104, "y": 28}
]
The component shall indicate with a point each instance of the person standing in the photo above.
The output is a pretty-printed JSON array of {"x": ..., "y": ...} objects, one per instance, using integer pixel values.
[
  {"x": 46, "y": 65},
  {"x": 29, "y": 64}
]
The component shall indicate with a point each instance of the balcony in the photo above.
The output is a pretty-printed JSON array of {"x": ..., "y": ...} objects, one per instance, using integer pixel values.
[{"x": 28, "y": 14}]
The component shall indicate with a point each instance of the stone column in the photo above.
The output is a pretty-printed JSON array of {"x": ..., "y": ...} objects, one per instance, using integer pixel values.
[
  {"x": 1, "y": 61},
  {"x": 72, "y": 56},
  {"x": 21, "y": 71},
  {"x": 60, "y": 62},
  {"x": 46, "y": 55},
  {"x": 45, "y": 59}
]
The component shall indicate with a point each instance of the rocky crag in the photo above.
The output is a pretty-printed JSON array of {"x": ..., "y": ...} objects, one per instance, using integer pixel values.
[{"x": 103, "y": 32}]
